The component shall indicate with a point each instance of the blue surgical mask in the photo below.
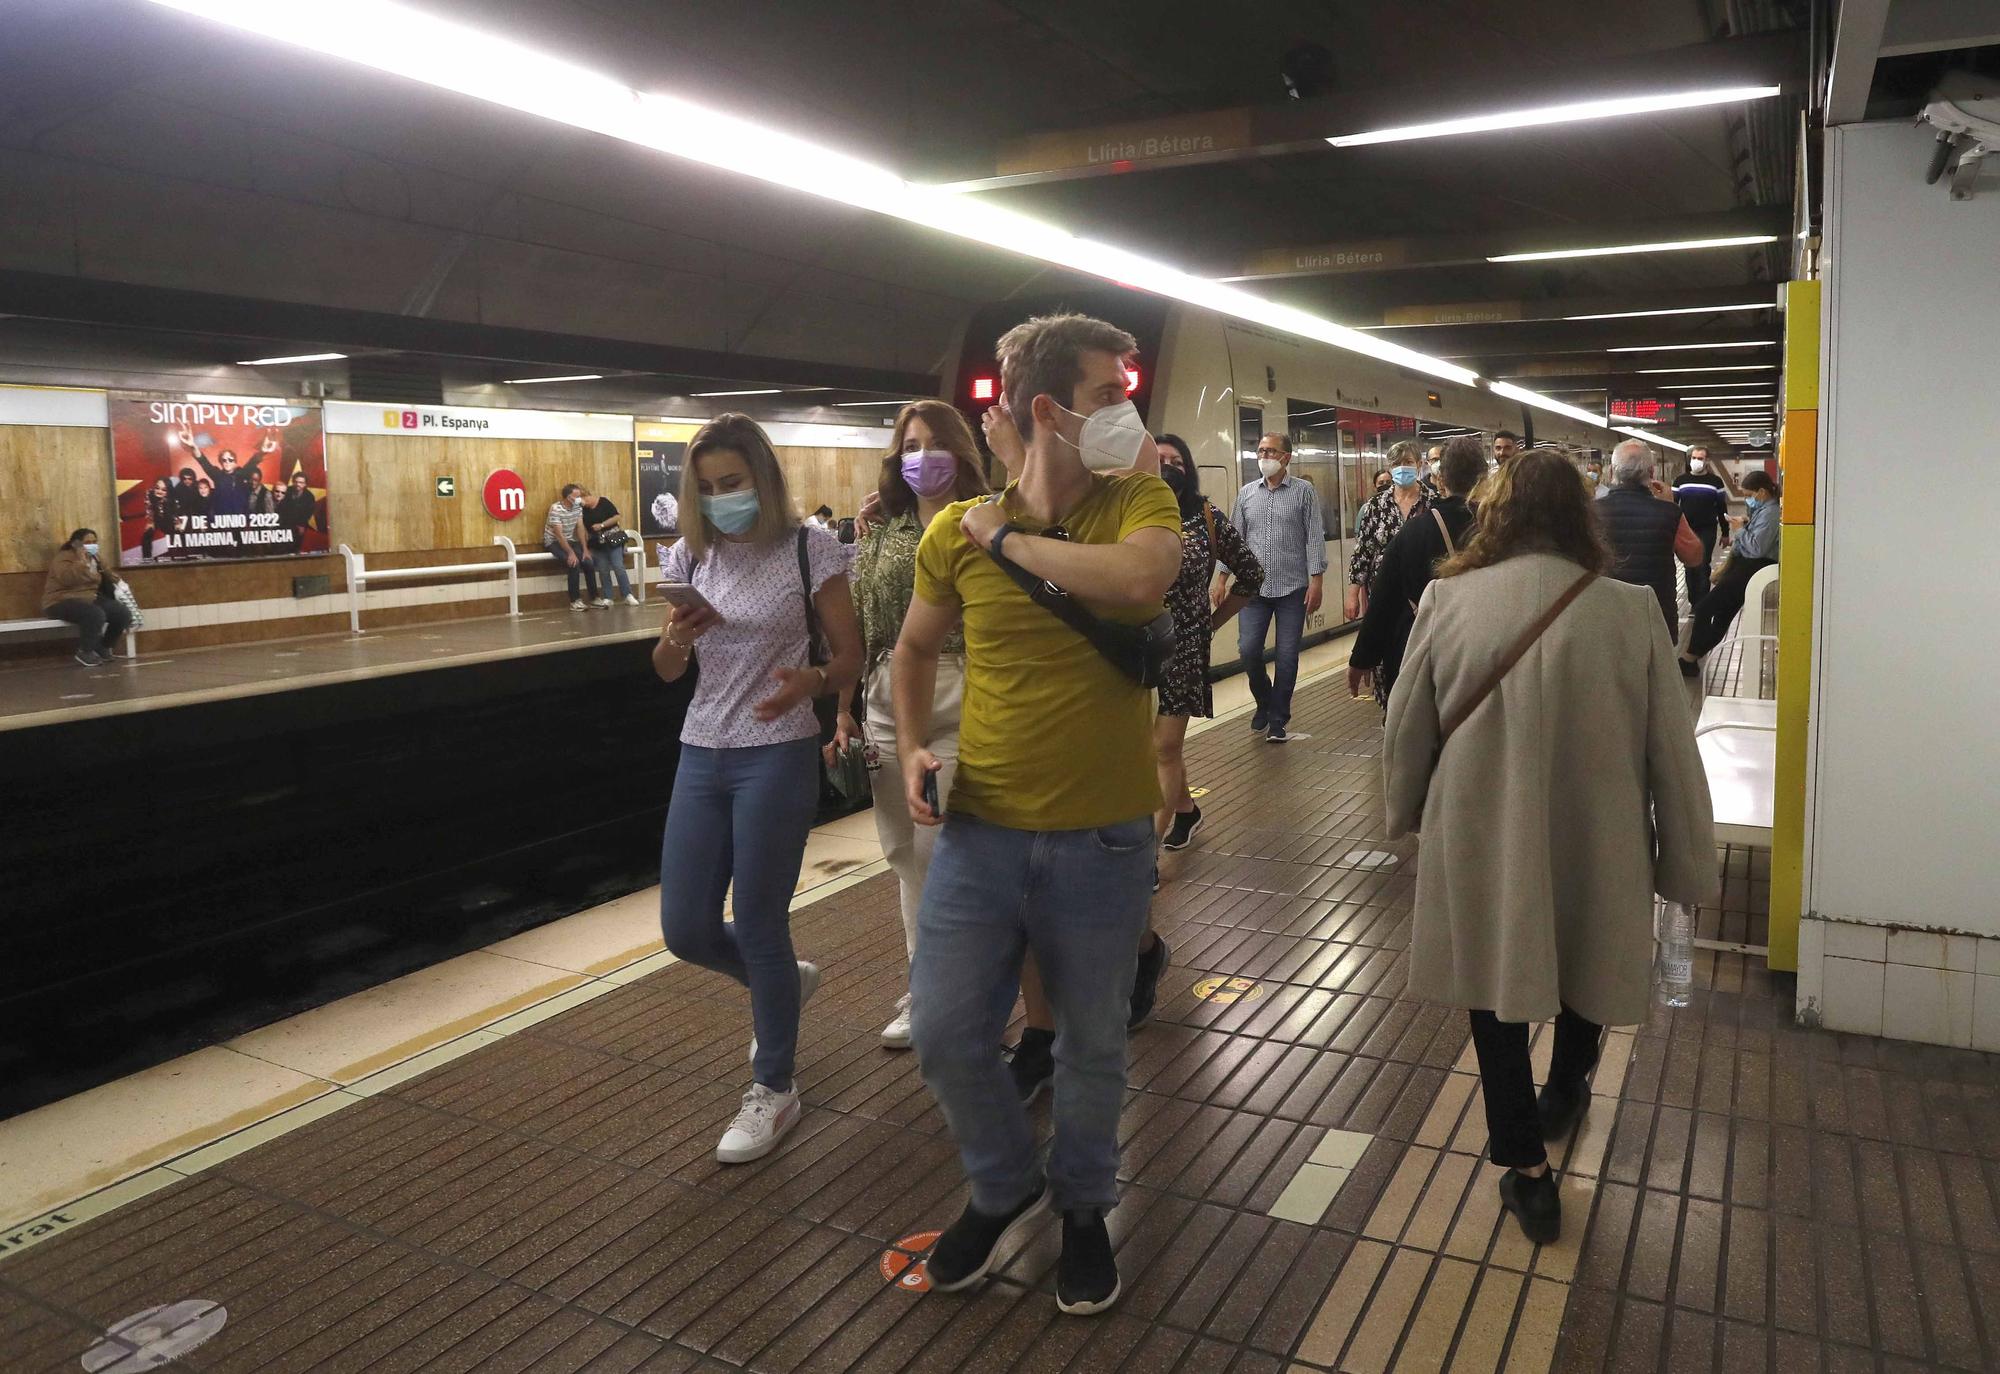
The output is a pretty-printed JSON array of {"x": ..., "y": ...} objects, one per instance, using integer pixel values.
[
  {"x": 733, "y": 511},
  {"x": 1403, "y": 476},
  {"x": 90, "y": 549},
  {"x": 1751, "y": 503}
]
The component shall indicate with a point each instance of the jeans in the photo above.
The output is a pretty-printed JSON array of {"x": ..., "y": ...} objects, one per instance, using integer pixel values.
[
  {"x": 99, "y": 622},
  {"x": 742, "y": 814},
  {"x": 1714, "y": 612},
  {"x": 1274, "y": 699},
  {"x": 609, "y": 564},
  {"x": 906, "y": 845},
  {"x": 584, "y": 569},
  {"x": 1507, "y": 1078},
  {"x": 1079, "y": 900}
]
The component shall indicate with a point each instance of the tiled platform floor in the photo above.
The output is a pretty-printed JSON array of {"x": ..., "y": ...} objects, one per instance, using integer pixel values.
[{"x": 1743, "y": 1194}]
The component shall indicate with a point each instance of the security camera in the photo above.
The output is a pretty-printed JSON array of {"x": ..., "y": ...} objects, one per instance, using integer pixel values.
[{"x": 1965, "y": 110}]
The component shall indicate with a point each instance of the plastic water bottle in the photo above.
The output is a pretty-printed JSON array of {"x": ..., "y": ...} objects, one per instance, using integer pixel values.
[{"x": 1676, "y": 938}]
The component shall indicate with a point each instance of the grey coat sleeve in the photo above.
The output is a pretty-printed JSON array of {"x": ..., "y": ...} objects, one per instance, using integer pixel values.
[{"x": 1411, "y": 735}]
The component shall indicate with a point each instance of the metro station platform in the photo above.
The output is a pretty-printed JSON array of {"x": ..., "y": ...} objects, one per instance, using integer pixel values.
[{"x": 526, "y": 1180}]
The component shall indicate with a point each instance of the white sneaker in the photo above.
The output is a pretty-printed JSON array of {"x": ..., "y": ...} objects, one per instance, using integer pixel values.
[
  {"x": 896, "y": 1035},
  {"x": 766, "y": 1118},
  {"x": 578, "y": 606},
  {"x": 602, "y": 601},
  {"x": 808, "y": 985},
  {"x": 631, "y": 600}
]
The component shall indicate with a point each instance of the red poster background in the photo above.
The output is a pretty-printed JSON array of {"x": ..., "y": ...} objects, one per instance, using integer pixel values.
[{"x": 209, "y": 454}]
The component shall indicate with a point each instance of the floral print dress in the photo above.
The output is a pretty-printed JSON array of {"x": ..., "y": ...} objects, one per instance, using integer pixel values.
[
  {"x": 1206, "y": 537},
  {"x": 1381, "y": 519}
]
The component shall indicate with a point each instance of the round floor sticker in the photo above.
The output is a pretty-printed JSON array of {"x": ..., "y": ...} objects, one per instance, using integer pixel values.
[
  {"x": 149, "y": 1339},
  {"x": 1228, "y": 991},
  {"x": 903, "y": 1266},
  {"x": 1370, "y": 858}
]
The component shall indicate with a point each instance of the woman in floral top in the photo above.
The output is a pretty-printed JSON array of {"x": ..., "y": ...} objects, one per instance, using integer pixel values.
[
  {"x": 1381, "y": 518},
  {"x": 932, "y": 462}
]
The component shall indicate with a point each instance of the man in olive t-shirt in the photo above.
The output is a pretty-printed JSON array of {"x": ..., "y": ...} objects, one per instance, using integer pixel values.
[{"x": 1049, "y": 844}]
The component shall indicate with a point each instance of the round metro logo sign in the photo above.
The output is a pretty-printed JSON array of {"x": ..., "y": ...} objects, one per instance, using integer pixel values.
[{"x": 506, "y": 495}]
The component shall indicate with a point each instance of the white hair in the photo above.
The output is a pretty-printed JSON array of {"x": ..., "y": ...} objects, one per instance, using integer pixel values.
[{"x": 1632, "y": 461}]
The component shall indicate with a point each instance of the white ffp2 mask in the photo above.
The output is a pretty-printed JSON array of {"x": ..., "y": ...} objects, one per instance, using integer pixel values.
[
  {"x": 1111, "y": 437},
  {"x": 1270, "y": 467}
]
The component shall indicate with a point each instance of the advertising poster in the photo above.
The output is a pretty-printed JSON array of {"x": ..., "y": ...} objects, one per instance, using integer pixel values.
[
  {"x": 660, "y": 487},
  {"x": 200, "y": 481}
]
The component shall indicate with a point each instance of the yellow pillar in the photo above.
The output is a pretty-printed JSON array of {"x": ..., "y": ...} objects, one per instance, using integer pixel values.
[{"x": 1798, "y": 460}]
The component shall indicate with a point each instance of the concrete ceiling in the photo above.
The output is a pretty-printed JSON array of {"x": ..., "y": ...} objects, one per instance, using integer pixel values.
[{"x": 140, "y": 146}]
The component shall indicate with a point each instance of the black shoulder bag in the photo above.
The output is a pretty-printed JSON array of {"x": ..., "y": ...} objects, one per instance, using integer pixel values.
[
  {"x": 1140, "y": 652},
  {"x": 848, "y": 774}
]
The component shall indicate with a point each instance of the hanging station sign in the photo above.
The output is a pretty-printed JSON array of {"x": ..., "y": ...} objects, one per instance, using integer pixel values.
[{"x": 473, "y": 422}]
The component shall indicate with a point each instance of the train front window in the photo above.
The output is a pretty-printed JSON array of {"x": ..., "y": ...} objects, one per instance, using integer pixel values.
[{"x": 1315, "y": 431}]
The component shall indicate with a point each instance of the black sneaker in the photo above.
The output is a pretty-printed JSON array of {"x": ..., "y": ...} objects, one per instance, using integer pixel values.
[
  {"x": 1033, "y": 1063},
  {"x": 89, "y": 659},
  {"x": 1690, "y": 667},
  {"x": 1258, "y": 720},
  {"x": 1276, "y": 735},
  {"x": 1087, "y": 1275},
  {"x": 1183, "y": 830},
  {"x": 1146, "y": 983},
  {"x": 1534, "y": 1203},
  {"x": 965, "y": 1251},
  {"x": 1558, "y": 1109}
]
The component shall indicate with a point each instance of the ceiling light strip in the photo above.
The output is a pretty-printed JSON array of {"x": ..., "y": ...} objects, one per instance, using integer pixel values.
[
  {"x": 537, "y": 381},
  {"x": 1608, "y": 250},
  {"x": 1662, "y": 440},
  {"x": 1678, "y": 310},
  {"x": 1719, "y": 367},
  {"x": 1685, "y": 347},
  {"x": 295, "y": 358},
  {"x": 1572, "y": 113}
]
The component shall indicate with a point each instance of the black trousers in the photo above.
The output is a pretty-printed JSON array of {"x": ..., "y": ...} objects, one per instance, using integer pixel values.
[
  {"x": 1697, "y": 576},
  {"x": 1714, "y": 612},
  {"x": 100, "y": 622},
  {"x": 1507, "y": 1079}
]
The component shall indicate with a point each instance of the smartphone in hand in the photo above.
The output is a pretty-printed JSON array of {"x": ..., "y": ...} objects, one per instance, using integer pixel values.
[
  {"x": 685, "y": 596},
  {"x": 931, "y": 794}
]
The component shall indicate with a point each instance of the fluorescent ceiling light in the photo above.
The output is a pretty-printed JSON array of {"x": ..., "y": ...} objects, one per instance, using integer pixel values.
[
  {"x": 1721, "y": 367},
  {"x": 1727, "y": 396},
  {"x": 294, "y": 358},
  {"x": 1549, "y": 403},
  {"x": 1662, "y": 440},
  {"x": 223, "y": 398},
  {"x": 1679, "y": 348},
  {"x": 757, "y": 391},
  {"x": 1766, "y": 387},
  {"x": 1634, "y": 420},
  {"x": 537, "y": 381},
  {"x": 1680, "y": 310},
  {"x": 1609, "y": 250},
  {"x": 394, "y": 38},
  {"x": 871, "y": 403},
  {"x": 1573, "y": 113}
]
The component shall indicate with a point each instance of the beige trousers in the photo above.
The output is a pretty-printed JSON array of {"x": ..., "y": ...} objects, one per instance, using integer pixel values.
[{"x": 905, "y": 844}]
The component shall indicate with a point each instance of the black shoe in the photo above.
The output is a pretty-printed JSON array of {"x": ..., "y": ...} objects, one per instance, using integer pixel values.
[
  {"x": 1258, "y": 720},
  {"x": 1534, "y": 1203},
  {"x": 1690, "y": 667},
  {"x": 1558, "y": 1109},
  {"x": 1033, "y": 1063},
  {"x": 1276, "y": 735},
  {"x": 1183, "y": 830},
  {"x": 965, "y": 1251},
  {"x": 1146, "y": 984},
  {"x": 1087, "y": 1275}
]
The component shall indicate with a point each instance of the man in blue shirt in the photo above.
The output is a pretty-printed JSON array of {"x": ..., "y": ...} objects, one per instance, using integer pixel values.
[
  {"x": 1756, "y": 548},
  {"x": 1705, "y": 502},
  {"x": 1281, "y": 520}
]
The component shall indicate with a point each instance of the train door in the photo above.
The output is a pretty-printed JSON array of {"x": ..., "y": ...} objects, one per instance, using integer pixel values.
[{"x": 1317, "y": 458}]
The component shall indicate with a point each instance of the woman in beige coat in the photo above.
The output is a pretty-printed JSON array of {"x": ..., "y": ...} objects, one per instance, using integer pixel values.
[{"x": 1570, "y": 795}]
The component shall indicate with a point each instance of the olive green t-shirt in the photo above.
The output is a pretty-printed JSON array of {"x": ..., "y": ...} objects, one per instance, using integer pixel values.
[{"x": 1051, "y": 736}]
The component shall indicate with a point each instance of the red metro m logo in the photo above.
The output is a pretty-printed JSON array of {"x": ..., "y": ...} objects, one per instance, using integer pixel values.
[{"x": 506, "y": 496}]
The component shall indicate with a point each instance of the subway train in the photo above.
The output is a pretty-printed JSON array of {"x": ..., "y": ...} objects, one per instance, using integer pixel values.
[{"x": 1220, "y": 383}]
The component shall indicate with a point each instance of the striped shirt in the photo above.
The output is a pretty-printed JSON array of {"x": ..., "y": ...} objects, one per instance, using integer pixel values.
[
  {"x": 1286, "y": 529},
  {"x": 562, "y": 517}
]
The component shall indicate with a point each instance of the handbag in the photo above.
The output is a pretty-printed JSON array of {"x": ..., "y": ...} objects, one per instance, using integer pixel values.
[
  {"x": 123, "y": 591},
  {"x": 1520, "y": 646},
  {"x": 1141, "y": 652},
  {"x": 848, "y": 773}
]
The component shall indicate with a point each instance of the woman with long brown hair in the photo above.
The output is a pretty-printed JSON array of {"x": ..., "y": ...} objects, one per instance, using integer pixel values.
[
  {"x": 932, "y": 462},
  {"x": 1539, "y": 734}
]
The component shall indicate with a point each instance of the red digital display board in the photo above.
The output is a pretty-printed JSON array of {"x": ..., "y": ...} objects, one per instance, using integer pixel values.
[{"x": 1644, "y": 408}]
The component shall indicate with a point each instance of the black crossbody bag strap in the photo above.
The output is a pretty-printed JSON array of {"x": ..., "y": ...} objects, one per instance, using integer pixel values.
[{"x": 1139, "y": 652}]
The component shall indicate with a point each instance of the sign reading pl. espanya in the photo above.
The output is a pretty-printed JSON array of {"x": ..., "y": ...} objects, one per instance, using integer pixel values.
[{"x": 472, "y": 422}]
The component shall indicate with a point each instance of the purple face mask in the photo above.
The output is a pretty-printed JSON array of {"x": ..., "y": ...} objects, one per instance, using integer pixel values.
[{"x": 930, "y": 473}]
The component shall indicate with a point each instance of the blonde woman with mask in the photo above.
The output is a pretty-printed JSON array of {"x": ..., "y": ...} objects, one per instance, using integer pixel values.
[
  {"x": 932, "y": 462},
  {"x": 748, "y": 784}
]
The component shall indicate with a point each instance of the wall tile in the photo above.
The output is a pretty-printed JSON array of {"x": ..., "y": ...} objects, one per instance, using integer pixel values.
[
  {"x": 1988, "y": 959},
  {"x": 1927, "y": 1004},
  {"x": 1961, "y": 952},
  {"x": 1851, "y": 994},
  {"x": 1986, "y": 1013},
  {"x": 1852, "y": 940},
  {"x": 1920, "y": 948}
]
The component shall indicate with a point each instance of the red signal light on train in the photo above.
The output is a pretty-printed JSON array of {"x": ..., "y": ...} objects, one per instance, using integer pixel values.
[
  {"x": 1131, "y": 380},
  {"x": 982, "y": 388}
]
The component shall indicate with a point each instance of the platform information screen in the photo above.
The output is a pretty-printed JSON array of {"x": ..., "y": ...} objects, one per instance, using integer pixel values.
[{"x": 202, "y": 481}]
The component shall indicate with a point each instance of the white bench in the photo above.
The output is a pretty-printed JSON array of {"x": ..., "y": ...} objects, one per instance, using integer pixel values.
[
  {"x": 22, "y": 626},
  {"x": 359, "y": 575},
  {"x": 1738, "y": 739},
  {"x": 635, "y": 548}
]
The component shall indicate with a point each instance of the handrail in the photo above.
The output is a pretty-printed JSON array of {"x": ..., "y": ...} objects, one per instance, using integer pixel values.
[
  {"x": 359, "y": 575},
  {"x": 515, "y": 558},
  {"x": 1715, "y": 725}
]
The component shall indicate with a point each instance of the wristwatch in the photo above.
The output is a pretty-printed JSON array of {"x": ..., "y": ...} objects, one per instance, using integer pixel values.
[{"x": 1000, "y": 537}]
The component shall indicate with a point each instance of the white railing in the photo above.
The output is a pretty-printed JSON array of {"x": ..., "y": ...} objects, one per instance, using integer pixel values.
[
  {"x": 635, "y": 547},
  {"x": 359, "y": 575},
  {"x": 10, "y": 626}
]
